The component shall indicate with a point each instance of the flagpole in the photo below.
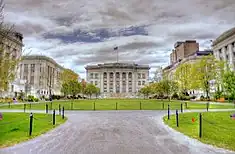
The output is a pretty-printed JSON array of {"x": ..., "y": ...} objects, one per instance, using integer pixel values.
[{"x": 117, "y": 55}]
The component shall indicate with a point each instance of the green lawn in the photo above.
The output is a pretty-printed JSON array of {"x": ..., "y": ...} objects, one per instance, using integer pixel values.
[
  {"x": 110, "y": 104},
  {"x": 14, "y": 127},
  {"x": 217, "y": 127}
]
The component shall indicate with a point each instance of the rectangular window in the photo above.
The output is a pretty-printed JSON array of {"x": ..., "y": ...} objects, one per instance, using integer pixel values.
[
  {"x": 91, "y": 75},
  {"x": 143, "y": 83},
  {"x": 139, "y": 75},
  {"x": 32, "y": 80},
  {"x": 139, "y": 83},
  {"x": 25, "y": 68},
  {"x": 96, "y": 83},
  {"x": 32, "y": 68},
  {"x": 96, "y": 75},
  {"x": 143, "y": 76}
]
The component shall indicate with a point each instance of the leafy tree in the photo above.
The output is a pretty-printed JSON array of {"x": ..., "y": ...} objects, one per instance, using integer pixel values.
[
  {"x": 90, "y": 89},
  {"x": 206, "y": 70},
  {"x": 183, "y": 75},
  {"x": 146, "y": 90},
  {"x": 83, "y": 83},
  {"x": 229, "y": 84},
  {"x": 68, "y": 75},
  {"x": 71, "y": 87},
  {"x": 97, "y": 92},
  {"x": 168, "y": 87}
]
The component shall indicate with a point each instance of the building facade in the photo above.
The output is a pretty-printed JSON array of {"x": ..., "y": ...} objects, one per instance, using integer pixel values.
[
  {"x": 42, "y": 75},
  {"x": 12, "y": 43},
  {"x": 224, "y": 47},
  {"x": 118, "y": 79},
  {"x": 183, "y": 50}
]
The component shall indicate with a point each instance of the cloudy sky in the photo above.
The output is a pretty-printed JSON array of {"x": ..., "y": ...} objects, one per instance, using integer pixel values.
[{"x": 80, "y": 32}]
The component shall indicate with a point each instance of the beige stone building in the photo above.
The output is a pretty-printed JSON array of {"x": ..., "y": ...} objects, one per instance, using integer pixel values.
[
  {"x": 42, "y": 75},
  {"x": 183, "y": 50},
  {"x": 12, "y": 44},
  {"x": 224, "y": 47},
  {"x": 118, "y": 79}
]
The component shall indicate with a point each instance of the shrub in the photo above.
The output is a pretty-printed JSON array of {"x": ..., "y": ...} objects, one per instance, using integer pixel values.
[
  {"x": 192, "y": 97},
  {"x": 202, "y": 98},
  {"x": 175, "y": 96}
]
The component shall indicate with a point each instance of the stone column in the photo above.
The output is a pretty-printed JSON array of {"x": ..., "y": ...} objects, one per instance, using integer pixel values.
[
  {"x": 101, "y": 86},
  {"x": 224, "y": 53},
  {"x": 108, "y": 82},
  {"x": 127, "y": 82},
  {"x": 114, "y": 81},
  {"x": 231, "y": 57},
  {"x": 120, "y": 81}
]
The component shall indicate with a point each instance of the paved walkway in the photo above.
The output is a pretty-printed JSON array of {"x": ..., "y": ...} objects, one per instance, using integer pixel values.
[{"x": 113, "y": 132}]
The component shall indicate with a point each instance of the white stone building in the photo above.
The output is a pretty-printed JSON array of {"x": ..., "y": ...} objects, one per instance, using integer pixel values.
[
  {"x": 42, "y": 75},
  {"x": 224, "y": 47},
  {"x": 118, "y": 79}
]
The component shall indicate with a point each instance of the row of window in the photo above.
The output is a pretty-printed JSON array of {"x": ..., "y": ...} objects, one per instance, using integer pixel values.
[{"x": 111, "y": 75}]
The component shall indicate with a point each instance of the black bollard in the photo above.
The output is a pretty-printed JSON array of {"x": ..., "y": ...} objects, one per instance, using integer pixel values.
[
  {"x": 30, "y": 124},
  {"x": 116, "y": 106},
  {"x": 53, "y": 118},
  {"x": 59, "y": 109},
  {"x": 181, "y": 108},
  {"x": 168, "y": 112},
  {"x": 63, "y": 113},
  {"x": 140, "y": 106},
  {"x": 46, "y": 108},
  {"x": 177, "y": 118},
  {"x": 207, "y": 106},
  {"x": 94, "y": 106},
  {"x": 24, "y": 107},
  {"x": 200, "y": 125}
]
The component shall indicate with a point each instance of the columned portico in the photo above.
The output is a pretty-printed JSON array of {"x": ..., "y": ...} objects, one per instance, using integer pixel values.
[{"x": 119, "y": 78}]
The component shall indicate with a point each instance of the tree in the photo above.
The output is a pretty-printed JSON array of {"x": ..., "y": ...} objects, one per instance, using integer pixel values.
[
  {"x": 205, "y": 70},
  {"x": 168, "y": 87},
  {"x": 83, "y": 83},
  {"x": 68, "y": 75},
  {"x": 71, "y": 87},
  {"x": 146, "y": 90},
  {"x": 183, "y": 75},
  {"x": 229, "y": 84},
  {"x": 90, "y": 89}
]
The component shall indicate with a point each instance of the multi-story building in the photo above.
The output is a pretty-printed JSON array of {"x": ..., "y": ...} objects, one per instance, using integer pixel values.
[
  {"x": 183, "y": 50},
  {"x": 118, "y": 79},
  {"x": 11, "y": 43},
  {"x": 224, "y": 47},
  {"x": 42, "y": 75}
]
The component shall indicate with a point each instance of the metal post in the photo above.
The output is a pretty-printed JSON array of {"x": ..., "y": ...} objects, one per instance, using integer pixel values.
[
  {"x": 71, "y": 105},
  {"x": 207, "y": 106},
  {"x": 30, "y": 124},
  {"x": 181, "y": 108},
  {"x": 46, "y": 108},
  {"x": 200, "y": 125},
  {"x": 53, "y": 117},
  {"x": 168, "y": 113},
  {"x": 177, "y": 118},
  {"x": 94, "y": 106},
  {"x": 59, "y": 109},
  {"x": 140, "y": 106},
  {"x": 63, "y": 113},
  {"x": 51, "y": 105},
  {"x": 116, "y": 106},
  {"x": 24, "y": 107}
]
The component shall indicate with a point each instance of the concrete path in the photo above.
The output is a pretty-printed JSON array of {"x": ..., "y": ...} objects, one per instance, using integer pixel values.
[{"x": 113, "y": 132}]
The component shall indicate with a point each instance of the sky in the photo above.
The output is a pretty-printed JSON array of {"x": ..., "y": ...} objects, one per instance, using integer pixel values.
[{"x": 76, "y": 33}]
